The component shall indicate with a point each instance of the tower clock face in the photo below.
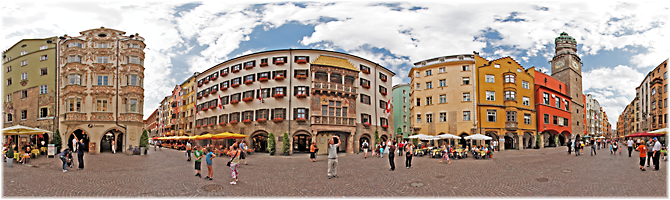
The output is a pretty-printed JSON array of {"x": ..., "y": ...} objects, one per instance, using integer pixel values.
[
  {"x": 575, "y": 64},
  {"x": 559, "y": 64}
]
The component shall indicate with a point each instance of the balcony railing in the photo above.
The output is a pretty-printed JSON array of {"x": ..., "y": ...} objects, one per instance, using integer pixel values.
[
  {"x": 334, "y": 87},
  {"x": 511, "y": 126},
  {"x": 75, "y": 116},
  {"x": 330, "y": 120}
]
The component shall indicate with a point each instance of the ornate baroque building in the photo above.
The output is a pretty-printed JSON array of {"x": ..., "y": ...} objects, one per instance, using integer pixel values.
[
  {"x": 308, "y": 94},
  {"x": 101, "y": 88}
]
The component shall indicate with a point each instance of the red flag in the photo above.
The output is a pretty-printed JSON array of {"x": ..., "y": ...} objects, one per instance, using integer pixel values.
[
  {"x": 219, "y": 103},
  {"x": 388, "y": 109},
  {"x": 260, "y": 94}
]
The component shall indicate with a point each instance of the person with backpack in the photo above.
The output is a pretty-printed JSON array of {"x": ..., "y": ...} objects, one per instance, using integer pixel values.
[
  {"x": 400, "y": 146},
  {"x": 365, "y": 149}
]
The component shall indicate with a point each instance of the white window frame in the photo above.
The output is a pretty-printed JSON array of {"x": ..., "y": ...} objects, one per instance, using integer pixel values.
[
  {"x": 74, "y": 58},
  {"x": 102, "y": 80},
  {"x": 24, "y": 75},
  {"x": 429, "y": 72},
  {"x": 74, "y": 79},
  {"x": 443, "y": 83},
  {"x": 43, "y": 47},
  {"x": 429, "y": 101},
  {"x": 525, "y": 84},
  {"x": 132, "y": 107},
  {"x": 490, "y": 95},
  {"x": 44, "y": 57},
  {"x": 103, "y": 45},
  {"x": 509, "y": 78},
  {"x": 429, "y": 118},
  {"x": 466, "y": 79},
  {"x": 43, "y": 89},
  {"x": 101, "y": 105},
  {"x": 24, "y": 52},
  {"x": 429, "y": 85},
  {"x": 443, "y": 117},
  {"x": 466, "y": 115},
  {"x": 490, "y": 113},
  {"x": 135, "y": 78},
  {"x": 9, "y": 98},
  {"x": 442, "y": 70},
  {"x": 443, "y": 98},
  {"x": 490, "y": 78},
  {"x": 526, "y": 101},
  {"x": 24, "y": 63},
  {"x": 526, "y": 118},
  {"x": 466, "y": 96}
]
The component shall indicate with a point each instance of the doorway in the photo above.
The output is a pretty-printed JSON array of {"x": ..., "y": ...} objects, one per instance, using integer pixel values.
[
  {"x": 260, "y": 142},
  {"x": 363, "y": 139},
  {"x": 301, "y": 143},
  {"x": 463, "y": 142},
  {"x": 81, "y": 135},
  {"x": 509, "y": 142},
  {"x": 106, "y": 142}
]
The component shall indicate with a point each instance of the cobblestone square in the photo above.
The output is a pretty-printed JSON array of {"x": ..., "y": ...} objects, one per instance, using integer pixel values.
[{"x": 549, "y": 172}]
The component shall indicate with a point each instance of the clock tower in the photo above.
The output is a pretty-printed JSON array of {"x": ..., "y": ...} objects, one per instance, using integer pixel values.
[{"x": 566, "y": 67}]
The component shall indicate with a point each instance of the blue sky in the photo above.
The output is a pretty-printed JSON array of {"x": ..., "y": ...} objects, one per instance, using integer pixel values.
[{"x": 619, "y": 42}]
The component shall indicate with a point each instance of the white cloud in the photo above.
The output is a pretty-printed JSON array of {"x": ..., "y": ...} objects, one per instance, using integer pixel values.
[{"x": 604, "y": 83}]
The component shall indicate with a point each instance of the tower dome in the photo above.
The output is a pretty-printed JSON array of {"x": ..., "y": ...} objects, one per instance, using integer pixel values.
[{"x": 565, "y": 37}]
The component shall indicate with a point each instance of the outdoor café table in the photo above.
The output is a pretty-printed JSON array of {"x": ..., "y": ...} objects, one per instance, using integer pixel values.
[
  {"x": 435, "y": 152},
  {"x": 483, "y": 154},
  {"x": 35, "y": 152}
]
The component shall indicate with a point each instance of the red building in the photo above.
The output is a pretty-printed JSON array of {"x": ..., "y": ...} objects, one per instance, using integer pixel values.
[{"x": 553, "y": 110}]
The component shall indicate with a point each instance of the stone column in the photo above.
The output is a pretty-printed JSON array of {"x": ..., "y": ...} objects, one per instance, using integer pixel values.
[{"x": 350, "y": 143}]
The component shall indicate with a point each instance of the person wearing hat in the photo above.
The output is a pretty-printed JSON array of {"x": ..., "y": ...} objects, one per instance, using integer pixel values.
[
  {"x": 657, "y": 153},
  {"x": 643, "y": 154}
]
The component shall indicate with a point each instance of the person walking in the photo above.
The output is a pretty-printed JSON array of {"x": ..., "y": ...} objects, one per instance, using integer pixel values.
[
  {"x": 381, "y": 149},
  {"x": 409, "y": 148},
  {"x": 188, "y": 151},
  {"x": 400, "y": 148},
  {"x": 312, "y": 152},
  {"x": 365, "y": 149},
  {"x": 643, "y": 153},
  {"x": 80, "y": 154},
  {"x": 657, "y": 153},
  {"x": 113, "y": 146},
  {"x": 630, "y": 146},
  {"x": 445, "y": 153},
  {"x": 208, "y": 160},
  {"x": 650, "y": 154},
  {"x": 569, "y": 144},
  {"x": 576, "y": 147},
  {"x": 391, "y": 155},
  {"x": 198, "y": 157},
  {"x": 615, "y": 146},
  {"x": 235, "y": 163},
  {"x": 243, "y": 150},
  {"x": 63, "y": 157},
  {"x": 332, "y": 156},
  {"x": 593, "y": 148}
]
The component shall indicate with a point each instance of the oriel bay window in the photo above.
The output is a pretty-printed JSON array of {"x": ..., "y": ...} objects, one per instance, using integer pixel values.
[
  {"x": 511, "y": 116},
  {"x": 74, "y": 59},
  {"x": 103, "y": 80},
  {"x": 74, "y": 79},
  {"x": 135, "y": 60},
  {"x": 101, "y": 105},
  {"x": 132, "y": 105},
  {"x": 510, "y": 78},
  {"x": 334, "y": 109},
  {"x": 510, "y": 95},
  {"x": 103, "y": 59},
  {"x": 133, "y": 80},
  {"x": 74, "y": 104}
]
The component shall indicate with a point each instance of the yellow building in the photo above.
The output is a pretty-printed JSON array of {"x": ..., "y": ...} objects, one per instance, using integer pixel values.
[
  {"x": 506, "y": 105},
  {"x": 442, "y": 96},
  {"x": 186, "y": 118}
]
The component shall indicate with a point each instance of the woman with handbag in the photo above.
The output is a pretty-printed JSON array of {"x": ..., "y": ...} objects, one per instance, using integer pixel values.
[{"x": 234, "y": 163}]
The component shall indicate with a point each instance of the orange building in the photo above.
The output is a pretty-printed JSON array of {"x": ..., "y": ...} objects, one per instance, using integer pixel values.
[
  {"x": 505, "y": 103},
  {"x": 553, "y": 111}
]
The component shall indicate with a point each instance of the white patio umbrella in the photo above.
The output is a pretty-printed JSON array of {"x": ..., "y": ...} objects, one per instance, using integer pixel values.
[
  {"x": 663, "y": 130},
  {"x": 448, "y": 136},
  {"x": 417, "y": 136},
  {"x": 478, "y": 137}
]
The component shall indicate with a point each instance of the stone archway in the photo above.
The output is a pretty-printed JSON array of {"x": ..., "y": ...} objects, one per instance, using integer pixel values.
[
  {"x": 511, "y": 140},
  {"x": 301, "y": 140},
  {"x": 493, "y": 135},
  {"x": 81, "y": 135},
  {"x": 529, "y": 140},
  {"x": 259, "y": 141},
  {"x": 463, "y": 142}
]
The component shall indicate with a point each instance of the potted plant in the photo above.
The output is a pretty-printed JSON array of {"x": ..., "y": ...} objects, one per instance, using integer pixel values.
[
  {"x": 279, "y": 62},
  {"x": 222, "y": 123},
  {"x": 211, "y": 125},
  {"x": 204, "y": 108},
  {"x": 301, "y": 95},
  {"x": 271, "y": 143},
  {"x": 10, "y": 156},
  {"x": 278, "y": 119},
  {"x": 212, "y": 106},
  {"x": 247, "y": 99},
  {"x": 249, "y": 67},
  {"x": 385, "y": 126},
  {"x": 200, "y": 84},
  {"x": 383, "y": 79},
  {"x": 206, "y": 94},
  {"x": 383, "y": 93},
  {"x": 262, "y": 120},
  {"x": 246, "y": 121},
  {"x": 199, "y": 96},
  {"x": 366, "y": 71},
  {"x": 279, "y": 95},
  {"x": 235, "y": 70},
  {"x": 213, "y": 91},
  {"x": 234, "y": 101},
  {"x": 538, "y": 141},
  {"x": 301, "y": 60},
  {"x": 224, "y": 74},
  {"x": 279, "y": 77},
  {"x": 286, "y": 147},
  {"x": 214, "y": 78},
  {"x": 144, "y": 140},
  {"x": 206, "y": 81}
]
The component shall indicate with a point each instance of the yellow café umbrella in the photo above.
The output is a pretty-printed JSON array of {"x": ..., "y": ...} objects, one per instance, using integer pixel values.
[
  {"x": 192, "y": 137},
  {"x": 229, "y": 135},
  {"x": 23, "y": 130},
  {"x": 204, "y": 137},
  {"x": 181, "y": 138}
]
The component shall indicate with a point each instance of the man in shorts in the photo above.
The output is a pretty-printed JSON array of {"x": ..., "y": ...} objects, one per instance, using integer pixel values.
[
  {"x": 643, "y": 154},
  {"x": 365, "y": 149},
  {"x": 198, "y": 157}
]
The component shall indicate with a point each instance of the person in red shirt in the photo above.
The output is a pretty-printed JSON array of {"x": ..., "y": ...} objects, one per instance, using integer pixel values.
[{"x": 643, "y": 154}]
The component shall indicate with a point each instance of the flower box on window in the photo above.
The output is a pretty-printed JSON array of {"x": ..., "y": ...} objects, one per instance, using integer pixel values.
[
  {"x": 214, "y": 91},
  {"x": 206, "y": 94},
  {"x": 264, "y": 64},
  {"x": 278, "y": 119},
  {"x": 204, "y": 108},
  {"x": 279, "y": 96},
  {"x": 383, "y": 93},
  {"x": 366, "y": 124},
  {"x": 214, "y": 78},
  {"x": 200, "y": 84},
  {"x": 224, "y": 74},
  {"x": 233, "y": 122},
  {"x": 235, "y": 101},
  {"x": 247, "y": 99},
  {"x": 279, "y": 77},
  {"x": 212, "y": 106},
  {"x": 200, "y": 97},
  {"x": 301, "y": 76},
  {"x": 224, "y": 88},
  {"x": 366, "y": 71},
  {"x": 383, "y": 79},
  {"x": 385, "y": 126},
  {"x": 235, "y": 70},
  {"x": 235, "y": 85},
  {"x": 301, "y": 119},
  {"x": 211, "y": 125},
  {"x": 301, "y": 95},
  {"x": 197, "y": 126},
  {"x": 248, "y": 82},
  {"x": 365, "y": 86},
  {"x": 263, "y": 79},
  {"x": 301, "y": 60},
  {"x": 206, "y": 81},
  {"x": 246, "y": 121},
  {"x": 279, "y": 62},
  {"x": 222, "y": 123},
  {"x": 262, "y": 120},
  {"x": 248, "y": 67}
]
